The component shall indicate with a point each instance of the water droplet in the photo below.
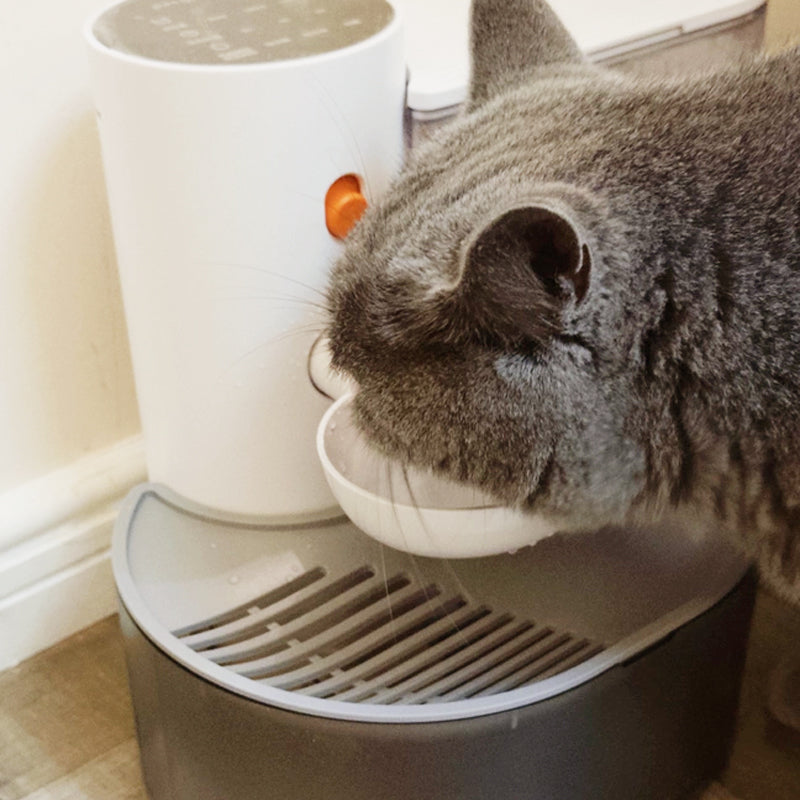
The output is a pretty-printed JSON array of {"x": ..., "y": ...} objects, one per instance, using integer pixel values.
[
  {"x": 213, "y": 545},
  {"x": 234, "y": 579}
]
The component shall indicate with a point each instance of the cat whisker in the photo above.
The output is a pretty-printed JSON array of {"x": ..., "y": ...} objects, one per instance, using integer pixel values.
[
  {"x": 445, "y": 561},
  {"x": 300, "y": 330},
  {"x": 393, "y": 501},
  {"x": 266, "y": 271},
  {"x": 385, "y": 575},
  {"x": 383, "y": 552},
  {"x": 333, "y": 109},
  {"x": 312, "y": 305}
]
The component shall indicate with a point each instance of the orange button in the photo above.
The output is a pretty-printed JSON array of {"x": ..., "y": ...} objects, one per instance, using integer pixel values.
[{"x": 344, "y": 205}]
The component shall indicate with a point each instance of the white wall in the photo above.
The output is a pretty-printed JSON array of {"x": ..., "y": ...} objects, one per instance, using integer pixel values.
[
  {"x": 65, "y": 378},
  {"x": 66, "y": 391}
]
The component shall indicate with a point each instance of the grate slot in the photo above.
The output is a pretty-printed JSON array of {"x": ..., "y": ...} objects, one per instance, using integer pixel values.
[
  {"x": 444, "y": 621},
  {"x": 590, "y": 650},
  {"x": 244, "y": 611},
  {"x": 457, "y": 671},
  {"x": 457, "y": 650},
  {"x": 268, "y": 639},
  {"x": 303, "y": 602},
  {"x": 350, "y": 627},
  {"x": 359, "y": 675},
  {"x": 364, "y": 635},
  {"x": 334, "y": 591},
  {"x": 320, "y": 668},
  {"x": 581, "y": 651},
  {"x": 495, "y": 665},
  {"x": 518, "y": 668}
]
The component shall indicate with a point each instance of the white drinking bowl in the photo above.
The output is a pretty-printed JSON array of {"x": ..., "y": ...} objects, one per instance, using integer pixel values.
[{"x": 414, "y": 510}]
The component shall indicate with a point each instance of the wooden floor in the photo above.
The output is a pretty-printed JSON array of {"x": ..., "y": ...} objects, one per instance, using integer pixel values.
[{"x": 66, "y": 726}]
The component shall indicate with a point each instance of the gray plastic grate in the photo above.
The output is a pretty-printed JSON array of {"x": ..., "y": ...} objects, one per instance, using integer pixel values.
[
  {"x": 323, "y": 620},
  {"x": 362, "y": 637}
]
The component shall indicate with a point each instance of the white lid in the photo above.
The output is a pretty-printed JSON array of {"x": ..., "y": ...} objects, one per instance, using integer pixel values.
[
  {"x": 238, "y": 31},
  {"x": 437, "y": 34}
]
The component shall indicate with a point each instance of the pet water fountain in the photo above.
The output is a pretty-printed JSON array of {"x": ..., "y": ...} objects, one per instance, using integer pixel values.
[{"x": 274, "y": 649}]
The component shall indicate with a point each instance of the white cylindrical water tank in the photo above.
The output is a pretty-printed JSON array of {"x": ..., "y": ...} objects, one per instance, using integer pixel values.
[{"x": 223, "y": 125}]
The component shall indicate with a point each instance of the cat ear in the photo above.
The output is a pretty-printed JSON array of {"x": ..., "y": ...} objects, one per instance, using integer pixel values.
[
  {"x": 510, "y": 40},
  {"x": 520, "y": 270}
]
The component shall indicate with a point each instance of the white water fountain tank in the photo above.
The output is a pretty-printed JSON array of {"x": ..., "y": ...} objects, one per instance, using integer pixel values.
[{"x": 223, "y": 126}]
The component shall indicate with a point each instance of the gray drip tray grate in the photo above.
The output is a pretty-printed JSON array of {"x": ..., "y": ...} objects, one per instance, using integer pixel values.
[
  {"x": 363, "y": 637},
  {"x": 324, "y": 620}
]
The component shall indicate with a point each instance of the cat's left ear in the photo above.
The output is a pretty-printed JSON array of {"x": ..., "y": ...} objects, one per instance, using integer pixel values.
[
  {"x": 522, "y": 267},
  {"x": 510, "y": 40}
]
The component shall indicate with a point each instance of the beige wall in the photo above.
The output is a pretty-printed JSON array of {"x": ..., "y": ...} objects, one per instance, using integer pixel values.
[
  {"x": 782, "y": 24},
  {"x": 65, "y": 376}
]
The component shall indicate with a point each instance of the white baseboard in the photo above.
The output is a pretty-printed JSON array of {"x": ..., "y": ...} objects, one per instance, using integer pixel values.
[{"x": 55, "y": 574}]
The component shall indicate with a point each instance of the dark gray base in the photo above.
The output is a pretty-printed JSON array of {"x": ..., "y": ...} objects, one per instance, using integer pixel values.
[{"x": 655, "y": 728}]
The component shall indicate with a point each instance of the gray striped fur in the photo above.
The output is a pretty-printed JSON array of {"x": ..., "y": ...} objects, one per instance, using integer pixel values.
[{"x": 672, "y": 386}]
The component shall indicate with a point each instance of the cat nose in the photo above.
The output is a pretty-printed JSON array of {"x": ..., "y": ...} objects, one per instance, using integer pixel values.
[{"x": 344, "y": 205}]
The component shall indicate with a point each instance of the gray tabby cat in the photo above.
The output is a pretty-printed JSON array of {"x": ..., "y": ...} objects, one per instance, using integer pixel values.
[{"x": 583, "y": 295}]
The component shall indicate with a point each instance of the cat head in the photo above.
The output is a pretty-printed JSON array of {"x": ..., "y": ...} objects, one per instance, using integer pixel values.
[{"x": 472, "y": 304}]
